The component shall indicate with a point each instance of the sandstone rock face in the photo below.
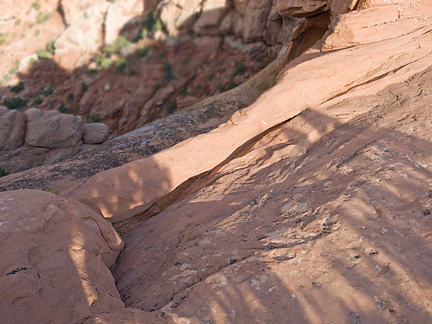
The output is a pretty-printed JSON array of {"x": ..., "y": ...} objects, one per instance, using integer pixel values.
[
  {"x": 95, "y": 133},
  {"x": 55, "y": 257},
  {"x": 118, "y": 14},
  {"x": 83, "y": 36},
  {"x": 54, "y": 130},
  {"x": 317, "y": 80},
  {"x": 301, "y": 8},
  {"x": 12, "y": 129}
]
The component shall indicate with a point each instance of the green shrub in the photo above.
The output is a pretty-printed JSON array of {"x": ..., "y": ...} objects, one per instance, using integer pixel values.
[
  {"x": 158, "y": 25},
  {"x": 51, "y": 190},
  {"x": 32, "y": 61},
  {"x": 13, "y": 70},
  {"x": 169, "y": 74},
  {"x": 47, "y": 91},
  {"x": 210, "y": 77},
  {"x": 84, "y": 87},
  {"x": 3, "y": 173},
  {"x": 36, "y": 5},
  {"x": 142, "y": 51},
  {"x": 43, "y": 54},
  {"x": 121, "y": 65},
  {"x": 37, "y": 32},
  {"x": 232, "y": 85},
  {"x": 70, "y": 97},
  {"x": 220, "y": 87},
  {"x": 18, "y": 88},
  {"x": 116, "y": 46},
  {"x": 17, "y": 22},
  {"x": 186, "y": 61},
  {"x": 171, "y": 108},
  {"x": 93, "y": 119},
  {"x": 36, "y": 101},
  {"x": 239, "y": 68},
  {"x": 62, "y": 108},
  {"x": 198, "y": 87},
  {"x": 42, "y": 17},
  {"x": 103, "y": 61},
  {"x": 184, "y": 91},
  {"x": 14, "y": 103},
  {"x": 2, "y": 41}
]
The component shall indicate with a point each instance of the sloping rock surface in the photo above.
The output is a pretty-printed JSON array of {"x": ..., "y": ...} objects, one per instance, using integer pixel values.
[
  {"x": 307, "y": 82},
  {"x": 55, "y": 257},
  {"x": 12, "y": 129},
  {"x": 326, "y": 218}
]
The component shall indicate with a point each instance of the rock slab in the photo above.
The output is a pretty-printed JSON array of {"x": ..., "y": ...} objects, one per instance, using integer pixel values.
[
  {"x": 54, "y": 130},
  {"x": 54, "y": 259},
  {"x": 12, "y": 129}
]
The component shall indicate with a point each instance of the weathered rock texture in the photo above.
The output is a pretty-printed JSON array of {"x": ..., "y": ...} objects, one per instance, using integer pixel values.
[
  {"x": 54, "y": 130},
  {"x": 12, "y": 129},
  {"x": 95, "y": 133},
  {"x": 307, "y": 82},
  {"x": 55, "y": 257},
  {"x": 50, "y": 137}
]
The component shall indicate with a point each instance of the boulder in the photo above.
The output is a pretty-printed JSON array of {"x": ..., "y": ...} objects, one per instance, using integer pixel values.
[
  {"x": 213, "y": 13},
  {"x": 54, "y": 130},
  {"x": 32, "y": 114},
  {"x": 12, "y": 129},
  {"x": 54, "y": 259},
  {"x": 95, "y": 133},
  {"x": 301, "y": 8}
]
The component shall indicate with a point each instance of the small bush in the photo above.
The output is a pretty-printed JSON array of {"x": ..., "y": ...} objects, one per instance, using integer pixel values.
[
  {"x": 43, "y": 54},
  {"x": 198, "y": 87},
  {"x": 36, "y": 101},
  {"x": 36, "y": 5},
  {"x": 184, "y": 91},
  {"x": 37, "y": 32},
  {"x": 210, "y": 77},
  {"x": 47, "y": 91},
  {"x": 158, "y": 25},
  {"x": 171, "y": 108},
  {"x": 121, "y": 65},
  {"x": 13, "y": 70},
  {"x": 3, "y": 173},
  {"x": 70, "y": 97},
  {"x": 232, "y": 85},
  {"x": 186, "y": 61},
  {"x": 14, "y": 103},
  {"x": 220, "y": 87},
  {"x": 239, "y": 68},
  {"x": 84, "y": 87},
  {"x": 62, "y": 108},
  {"x": 42, "y": 17},
  {"x": 2, "y": 41},
  {"x": 92, "y": 71},
  {"x": 17, "y": 22},
  {"x": 32, "y": 61},
  {"x": 51, "y": 190},
  {"x": 142, "y": 51},
  {"x": 116, "y": 46},
  {"x": 93, "y": 119},
  {"x": 18, "y": 88}
]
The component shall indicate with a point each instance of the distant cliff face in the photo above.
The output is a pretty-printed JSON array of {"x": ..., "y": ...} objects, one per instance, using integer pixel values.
[{"x": 127, "y": 63}]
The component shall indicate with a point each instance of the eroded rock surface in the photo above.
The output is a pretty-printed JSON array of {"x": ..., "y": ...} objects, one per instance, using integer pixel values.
[
  {"x": 55, "y": 257},
  {"x": 12, "y": 129}
]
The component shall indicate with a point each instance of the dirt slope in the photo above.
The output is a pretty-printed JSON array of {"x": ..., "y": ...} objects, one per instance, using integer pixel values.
[{"x": 335, "y": 229}]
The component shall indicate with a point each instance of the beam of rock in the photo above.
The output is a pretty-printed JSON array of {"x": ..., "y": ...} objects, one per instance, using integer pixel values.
[
  {"x": 55, "y": 254},
  {"x": 307, "y": 82}
]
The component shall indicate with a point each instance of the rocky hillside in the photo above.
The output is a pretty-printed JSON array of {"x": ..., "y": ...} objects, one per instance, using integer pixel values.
[{"x": 312, "y": 204}]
